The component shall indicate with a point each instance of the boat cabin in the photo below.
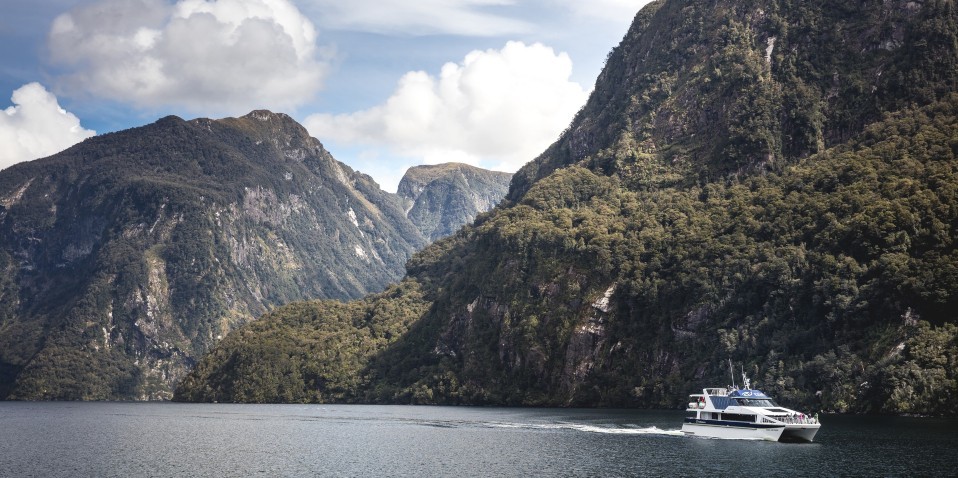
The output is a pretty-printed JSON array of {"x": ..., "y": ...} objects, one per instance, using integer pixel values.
[{"x": 711, "y": 405}]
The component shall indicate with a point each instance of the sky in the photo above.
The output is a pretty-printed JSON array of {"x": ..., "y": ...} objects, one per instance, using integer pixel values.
[{"x": 383, "y": 84}]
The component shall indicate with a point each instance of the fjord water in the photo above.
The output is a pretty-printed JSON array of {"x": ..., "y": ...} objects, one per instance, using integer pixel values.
[{"x": 168, "y": 439}]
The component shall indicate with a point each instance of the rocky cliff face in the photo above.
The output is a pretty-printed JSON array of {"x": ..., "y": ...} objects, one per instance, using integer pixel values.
[
  {"x": 442, "y": 198},
  {"x": 129, "y": 255}
]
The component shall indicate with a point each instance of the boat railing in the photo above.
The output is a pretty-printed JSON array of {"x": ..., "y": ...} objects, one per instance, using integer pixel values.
[
  {"x": 791, "y": 420},
  {"x": 716, "y": 392}
]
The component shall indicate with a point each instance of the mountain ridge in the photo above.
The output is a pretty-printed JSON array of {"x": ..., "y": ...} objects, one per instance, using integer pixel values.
[{"x": 128, "y": 255}]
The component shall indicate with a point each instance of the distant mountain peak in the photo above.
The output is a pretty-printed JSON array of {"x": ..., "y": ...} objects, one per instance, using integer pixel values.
[
  {"x": 169, "y": 119},
  {"x": 440, "y": 198},
  {"x": 428, "y": 172},
  {"x": 267, "y": 115}
]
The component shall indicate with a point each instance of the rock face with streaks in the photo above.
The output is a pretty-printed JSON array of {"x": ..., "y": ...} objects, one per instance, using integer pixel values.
[
  {"x": 126, "y": 257},
  {"x": 442, "y": 198}
]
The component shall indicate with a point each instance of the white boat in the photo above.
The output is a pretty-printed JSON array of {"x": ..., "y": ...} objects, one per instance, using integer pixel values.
[{"x": 745, "y": 414}]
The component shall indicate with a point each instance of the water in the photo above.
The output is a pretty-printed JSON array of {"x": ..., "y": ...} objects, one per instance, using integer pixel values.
[{"x": 168, "y": 439}]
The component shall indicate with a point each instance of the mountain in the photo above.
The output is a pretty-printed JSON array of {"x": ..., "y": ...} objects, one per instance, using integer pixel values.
[
  {"x": 698, "y": 92},
  {"x": 442, "y": 198},
  {"x": 771, "y": 182},
  {"x": 128, "y": 256}
]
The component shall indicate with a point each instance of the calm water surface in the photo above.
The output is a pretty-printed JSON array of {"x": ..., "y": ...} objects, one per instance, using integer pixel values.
[{"x": 168, "y": 439}]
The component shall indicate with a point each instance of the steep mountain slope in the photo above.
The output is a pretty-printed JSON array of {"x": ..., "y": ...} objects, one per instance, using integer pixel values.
[
  {"x": 441, "y": 198},
  {"x": 130, "y": 254},
  {"x": 773, "y": 182},
  {"x": 700, "y": 91}
]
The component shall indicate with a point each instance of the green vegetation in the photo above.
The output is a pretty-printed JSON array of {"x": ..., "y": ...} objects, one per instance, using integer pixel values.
[{"x": 304, "y": 352}]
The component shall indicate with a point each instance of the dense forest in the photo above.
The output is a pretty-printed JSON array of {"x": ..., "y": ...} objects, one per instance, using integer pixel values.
[{"x": 768, "y": 181}]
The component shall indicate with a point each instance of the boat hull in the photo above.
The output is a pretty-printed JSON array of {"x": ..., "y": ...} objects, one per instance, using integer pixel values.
[
  {"x": 732, "y": 430},
  {"x": 799, "y": 433}
]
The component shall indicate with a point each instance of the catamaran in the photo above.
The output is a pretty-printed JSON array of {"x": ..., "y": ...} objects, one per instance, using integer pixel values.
[{"x": 744, "y": 413}]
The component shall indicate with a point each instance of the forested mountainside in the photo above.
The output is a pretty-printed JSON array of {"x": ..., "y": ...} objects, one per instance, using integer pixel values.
[
  {"x": 703, "y": 91},
  {"x": 441, "y": 198},
  {"x": 127, "y": 256},
  {"x": 768, "y": 181}
]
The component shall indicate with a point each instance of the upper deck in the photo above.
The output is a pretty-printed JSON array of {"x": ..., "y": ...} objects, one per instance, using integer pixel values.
[{"x": 716, "y": 392}]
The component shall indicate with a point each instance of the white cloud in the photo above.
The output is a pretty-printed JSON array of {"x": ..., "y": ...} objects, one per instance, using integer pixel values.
[
  {"x": 222, "y": 56},
  {"x": 36, "y": 126},
  {"x": 497, "y": 109},
  {"x": 421, "y": 17}
]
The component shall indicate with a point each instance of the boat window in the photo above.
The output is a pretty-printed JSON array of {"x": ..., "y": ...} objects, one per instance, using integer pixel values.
[
  {"x": 738, "y": 417},
  {"x": 755, "y": 402}
]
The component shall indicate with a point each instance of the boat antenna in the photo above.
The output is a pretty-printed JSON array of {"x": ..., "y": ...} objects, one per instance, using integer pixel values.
[
  {"x": 731, "y": 371},
  {"x": 745, "y": 380}
]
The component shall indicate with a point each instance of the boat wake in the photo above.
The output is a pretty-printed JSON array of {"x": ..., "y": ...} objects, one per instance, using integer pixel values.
[{"x": 608, "y": 430}]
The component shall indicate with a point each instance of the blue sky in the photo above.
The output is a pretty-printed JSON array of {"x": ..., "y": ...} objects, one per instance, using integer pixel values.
[{"x": 384, "y": 84}]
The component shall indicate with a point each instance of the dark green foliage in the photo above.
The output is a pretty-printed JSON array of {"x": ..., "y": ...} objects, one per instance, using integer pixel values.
[
  {"x": 63, "y": 372},
  {"x": 304, "y": 352},
  {"x": 920, "y": 373}
]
